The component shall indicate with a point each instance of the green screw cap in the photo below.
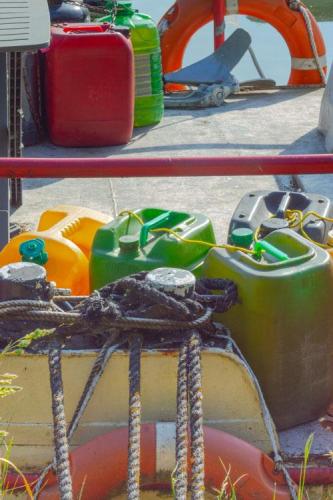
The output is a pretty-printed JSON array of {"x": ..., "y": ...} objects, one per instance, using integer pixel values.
[
  {"x": 242, "y": 237},
  {"x": 129, "y": 243},
  {"x": 121, "y": 6},
  {"x": 34, "y": 251}
]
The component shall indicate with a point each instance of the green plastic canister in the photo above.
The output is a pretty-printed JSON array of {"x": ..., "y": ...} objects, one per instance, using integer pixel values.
[
  {"x": 125, "y": 247},
  {"x": 149, "y": 105},
  {"x": 283, "y": 323}
]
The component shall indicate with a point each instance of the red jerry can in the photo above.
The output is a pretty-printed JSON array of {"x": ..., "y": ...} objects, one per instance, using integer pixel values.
[{"x": 89, "y": 85}]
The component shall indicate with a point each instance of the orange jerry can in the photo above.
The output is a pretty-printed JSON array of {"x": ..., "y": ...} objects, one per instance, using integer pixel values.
[{"x": 62, "y": 243}]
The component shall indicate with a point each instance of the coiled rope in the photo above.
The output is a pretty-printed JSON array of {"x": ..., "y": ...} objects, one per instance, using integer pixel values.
[{"x": 129, "y": 302}]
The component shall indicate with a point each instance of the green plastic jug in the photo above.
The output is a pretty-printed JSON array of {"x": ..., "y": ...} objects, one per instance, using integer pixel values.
[
  {"x": 145, "y": 38},
  {"x": 124, "y": 246},
  {"x": 283, "y": 322}
]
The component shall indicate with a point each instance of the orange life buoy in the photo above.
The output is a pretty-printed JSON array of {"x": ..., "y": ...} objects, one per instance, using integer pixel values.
[
  {"x": 186, "y": 17},
  {"x": 100, "y": 466}
]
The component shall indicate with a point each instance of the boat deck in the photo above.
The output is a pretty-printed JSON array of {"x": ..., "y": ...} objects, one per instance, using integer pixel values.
[{"x": 251, "y": 123}]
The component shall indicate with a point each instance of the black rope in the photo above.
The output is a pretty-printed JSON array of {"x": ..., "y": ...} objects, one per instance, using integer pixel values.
[
  {"x": 180, "y": 484},
  {"x": 134, "y": 420},
  {"x": 196, "y": 419},
  {"x": 130, "y": 303},
  {"x": 59, "y": 424},
  {"x": 132, "y": 306},
  {"x": 223, "y": 301},
  {"x": 96, "y": 373}
]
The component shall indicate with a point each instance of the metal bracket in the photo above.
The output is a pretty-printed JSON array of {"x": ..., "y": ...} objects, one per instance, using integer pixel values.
[{"x": 205, "y": 96}]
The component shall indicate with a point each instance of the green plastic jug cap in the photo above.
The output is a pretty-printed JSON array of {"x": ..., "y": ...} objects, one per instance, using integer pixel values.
[
  {"x": 34, "y": 251},
  {"x": 124, "y": 4},
  {"x": 129, "y": 243},
  {"x": 127, "y": 6},
  {"x": 242, "y": 237}
]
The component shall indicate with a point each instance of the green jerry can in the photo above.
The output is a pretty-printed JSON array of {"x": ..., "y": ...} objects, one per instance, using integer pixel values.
[
  {"x": 282, "y": 322},
  {"x": 149, "y": 103},
  {"x": 125, "y": 246}
]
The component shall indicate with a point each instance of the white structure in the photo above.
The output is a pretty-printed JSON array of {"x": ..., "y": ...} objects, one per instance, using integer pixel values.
[
  {"x": 24, "y": 24},
  {"x": 326, "y": 114}
]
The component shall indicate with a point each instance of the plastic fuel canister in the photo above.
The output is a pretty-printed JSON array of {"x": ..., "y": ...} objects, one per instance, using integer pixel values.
[
  {"x": 267, "y": 210},
  {"x": 32, "y": 98},
  {"x": 89, "y": 86},
  {"x": 149, "y": 103},
  {"x": 125, "y": 246},
  {"x": 282, "y": 322},
  {"x": 62, "y": 243}
]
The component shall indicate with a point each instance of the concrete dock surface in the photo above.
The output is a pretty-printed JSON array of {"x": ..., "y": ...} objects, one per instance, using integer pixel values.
[{"x": 276, "y": 122}]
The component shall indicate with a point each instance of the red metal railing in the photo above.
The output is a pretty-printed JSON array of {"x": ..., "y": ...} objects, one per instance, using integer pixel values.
[
  {"x": 166, "y": 167},
  {"x": 219, "y": 13}
]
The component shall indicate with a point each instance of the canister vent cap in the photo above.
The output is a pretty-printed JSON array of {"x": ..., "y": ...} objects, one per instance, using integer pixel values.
[{"x": 178, "y": 282}]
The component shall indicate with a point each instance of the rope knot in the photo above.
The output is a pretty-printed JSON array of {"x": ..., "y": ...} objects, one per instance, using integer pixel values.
[{"x": 294, "y": 4}]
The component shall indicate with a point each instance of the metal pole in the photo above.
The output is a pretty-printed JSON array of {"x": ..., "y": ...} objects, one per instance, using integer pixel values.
[
  {"x": 219, "y": 13},
  {"x": 4, "y": 142},
  {"x": 166, "y": 167}
]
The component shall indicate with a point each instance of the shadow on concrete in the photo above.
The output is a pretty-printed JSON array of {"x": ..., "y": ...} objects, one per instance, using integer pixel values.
[
  {"x": 245, "y": 100},
  {"x": 310, "y": 143},
  {"x": 239, "y": 102},
  {"x": 29, "y": 184},
  {"x": 193, "y": 147}
]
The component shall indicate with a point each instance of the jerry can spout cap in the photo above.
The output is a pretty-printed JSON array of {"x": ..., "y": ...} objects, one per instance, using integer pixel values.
[
  {"x": 129, "y": 243},
  {"x": 242, "y": 237},
  {"x": 178, "y": 282},
  {"x": 34, "y": 251}
]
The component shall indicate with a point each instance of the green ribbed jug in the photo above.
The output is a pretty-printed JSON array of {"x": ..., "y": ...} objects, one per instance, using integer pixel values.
[{"x": 149, "y": 104}]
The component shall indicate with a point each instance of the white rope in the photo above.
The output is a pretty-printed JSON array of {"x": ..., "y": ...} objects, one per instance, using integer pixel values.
[
  {"x": 296, "y": 5},
  {"x": 308, "y": 24}
]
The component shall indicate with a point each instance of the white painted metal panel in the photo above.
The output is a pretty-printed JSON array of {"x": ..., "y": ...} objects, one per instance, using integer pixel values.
[
  {"x": 24, "y": 24},
  {"x": 326, "y": 114}
]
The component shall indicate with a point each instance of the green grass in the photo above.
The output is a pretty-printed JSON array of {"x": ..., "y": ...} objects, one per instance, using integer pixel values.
[
  {"x": 228, "y": 488},
  {"x": 7, "y": 388}
]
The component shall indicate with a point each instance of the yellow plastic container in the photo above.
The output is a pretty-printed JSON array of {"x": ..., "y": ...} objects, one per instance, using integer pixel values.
[{"x": 68, "y": 233}]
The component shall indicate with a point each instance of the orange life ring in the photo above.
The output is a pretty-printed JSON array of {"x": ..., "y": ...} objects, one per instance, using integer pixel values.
[
  {"x": 186, "y": 17},
  {"x": 101, "y": 465}
]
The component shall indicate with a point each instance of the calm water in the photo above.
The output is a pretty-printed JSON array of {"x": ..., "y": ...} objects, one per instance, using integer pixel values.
[{"x": 268, "y": 44}]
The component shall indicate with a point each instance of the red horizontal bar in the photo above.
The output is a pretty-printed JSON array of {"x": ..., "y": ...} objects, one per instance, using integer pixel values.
[{"x": 166, "y": 167}]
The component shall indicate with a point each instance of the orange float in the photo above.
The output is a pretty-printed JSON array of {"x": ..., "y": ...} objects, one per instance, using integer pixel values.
[
  {"x": 186, "y": 17},
  {"x": 101, "y": 465}
]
